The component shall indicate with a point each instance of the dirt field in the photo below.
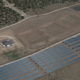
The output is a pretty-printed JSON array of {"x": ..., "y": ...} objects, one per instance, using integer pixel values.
[
  {"x": 71, "y": 72},
  {"x": 39, "y": 32},
  {"x": 17, "y": 44}
]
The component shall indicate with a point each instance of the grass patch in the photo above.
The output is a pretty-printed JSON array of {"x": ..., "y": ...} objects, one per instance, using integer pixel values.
[{"x": 12, "y": 55}]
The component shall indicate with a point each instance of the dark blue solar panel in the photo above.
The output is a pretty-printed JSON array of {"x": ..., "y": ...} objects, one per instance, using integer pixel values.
[
  {"x": 33, "y": 77},
  {"x": 53, "y": 52},
  {"x": 47, "y": 50},
  {"x": 58, "y": 61},
  {"x": 72, "y": 39},
  {"x": 78, "y": 50},
  {"x": 62, "y": 65},
  {"x": 27, "y": 75},
  {"x": 74, "y": 43},
  {"x": 49, "y": 54},
  {"x": 12, "y": 64},
  {"x": 76, "y": 46},
  {"x": 7, "y": 77},
  {"x": 8, "y": 71},
  {"x": 54, "y": 56},
  {"x": 19, "y": 65}
]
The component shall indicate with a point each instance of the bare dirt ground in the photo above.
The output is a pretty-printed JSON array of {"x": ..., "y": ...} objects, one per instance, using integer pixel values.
[
  {"x": 71, "y": 72},
  {"x": 39, "y": 32},
  {"x": 17, "y": 44}
]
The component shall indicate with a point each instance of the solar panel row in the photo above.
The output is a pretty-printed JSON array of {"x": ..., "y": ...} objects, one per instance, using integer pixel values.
[
  {"x": 55, "y": 57},
  {"x": 12, "y": 64},
  {"x": 33, "y": 77},
  {"x": 59, "y": 61},
  {"x": 3, "y": 71},
  {"x": 78, "y": 50},
  {"x": 47, "y": 51},
  {"x": 16, "y": 74},
  {"x": 48, "y": 71},
  {"x": 27, "y": 75},
  {"x": 72, "y": 40},
  {"x": 74, "y": 43},
  {"x": 76, "y": 46}
]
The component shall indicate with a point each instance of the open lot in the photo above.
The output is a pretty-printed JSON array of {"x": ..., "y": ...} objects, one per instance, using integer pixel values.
[
  {"x": 39, "y": 32},
  {"x": 4, "y": 50}
]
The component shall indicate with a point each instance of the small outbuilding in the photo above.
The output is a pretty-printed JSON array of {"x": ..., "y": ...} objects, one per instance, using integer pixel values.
[{"x": 8, "y": 42}]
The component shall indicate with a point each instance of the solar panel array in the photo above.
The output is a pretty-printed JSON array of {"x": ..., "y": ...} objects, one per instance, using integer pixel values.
[
  {"x": 19, "y": 70},
  {"x": 55, "y": 58},
  {"x": 43, "y": 62},
  {"x": 74, "y": 43}
]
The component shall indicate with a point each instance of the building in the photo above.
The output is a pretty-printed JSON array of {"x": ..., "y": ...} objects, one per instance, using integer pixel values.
[{"x": 8, "y": 42}]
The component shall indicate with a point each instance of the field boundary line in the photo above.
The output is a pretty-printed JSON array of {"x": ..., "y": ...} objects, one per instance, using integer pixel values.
[
  {"x": 42, "y": 49},
  {"x": 39, "y": 15}
]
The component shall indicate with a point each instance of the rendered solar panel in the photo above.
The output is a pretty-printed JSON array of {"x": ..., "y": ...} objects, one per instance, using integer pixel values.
[
  {"x": 71, "y": 39},
  {"x": 27, "y": 75},
  {"x": 48, "y": 71},
  {"x": 27, "y": 64},
  {"x": 59, "y": 61},
  {"x": 53, "y": 52},
  {"x": 48, "y": 55},
  {"x": 26, "y": 61},
  {"x": 14, "y": 72},
  {"x": 17, "y": 66},
  {"x": 48, "y": 61},
  {"x": 78, "y": 50},
  {"x": 47, "y": 51},
  {"x": 74, "y": 43},
  {"x": 4, "y": 72},
  {"x": 9, "y": 65},
  {"x": 76, "y": 46},
  {"x": 33, "y": 77},
  {"x": 55, "y": 56},
  {"x": 43, "y": 55}
]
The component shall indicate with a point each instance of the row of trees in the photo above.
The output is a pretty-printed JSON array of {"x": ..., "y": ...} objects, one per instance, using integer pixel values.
[
  {"x": 25, "y": 5},
  {"x": 8, "y": 16}
]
